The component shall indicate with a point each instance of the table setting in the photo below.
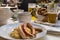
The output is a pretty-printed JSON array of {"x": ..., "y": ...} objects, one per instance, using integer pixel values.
[
  {"x": 25, "y": 27},
  {"x": 48, "y": 37}
]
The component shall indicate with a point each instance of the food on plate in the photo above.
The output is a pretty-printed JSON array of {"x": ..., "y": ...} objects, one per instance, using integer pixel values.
[
  {"x": 42, "y": 11},
  {"x": 25, "y": 31},
  {"x": 49, "y": 17},
  {"x": 15, "y": 34},
  {"x": 38, "y": 30},
  {"x": 45, "y": 19}
]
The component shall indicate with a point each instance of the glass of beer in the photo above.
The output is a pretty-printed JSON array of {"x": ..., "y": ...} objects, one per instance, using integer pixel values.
[
  {"x": 52, "y": 17},
  {"x": 31, "y": 6},
  {"x": 32, "y": 9}
]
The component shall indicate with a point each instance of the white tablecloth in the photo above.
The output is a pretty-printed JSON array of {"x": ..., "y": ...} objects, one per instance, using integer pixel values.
[{"x": 52, "y": 37}]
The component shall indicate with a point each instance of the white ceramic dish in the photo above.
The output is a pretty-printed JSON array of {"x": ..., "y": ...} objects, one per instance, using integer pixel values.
[{"x": 6, "y": 29}]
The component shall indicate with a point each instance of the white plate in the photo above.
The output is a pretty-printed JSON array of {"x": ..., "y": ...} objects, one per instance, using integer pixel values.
[{"x": 6, "y": 29}]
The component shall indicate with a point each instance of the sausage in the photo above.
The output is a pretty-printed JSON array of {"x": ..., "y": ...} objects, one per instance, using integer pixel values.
[
  {"x": 32, "y": 29},
  {"x": 21, "y": 33},
  {"x": 24, "y": 28},
  {"x": 38, "y": 29}
]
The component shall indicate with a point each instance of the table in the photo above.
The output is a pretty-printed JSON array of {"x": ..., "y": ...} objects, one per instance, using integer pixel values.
[
  {"x": 52, "y": 37},
  {"x": 48, "y": 36}
]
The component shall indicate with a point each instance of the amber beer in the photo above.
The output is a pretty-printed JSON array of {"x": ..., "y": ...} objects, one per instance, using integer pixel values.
[
  {"x": 30, "y": 9},
  {"x": 31, "y": 6},
  {"x": 52, "y": 17}
]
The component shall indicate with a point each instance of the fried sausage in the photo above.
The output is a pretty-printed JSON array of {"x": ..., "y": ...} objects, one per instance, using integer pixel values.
[
  {"x": 22, "y": 34},
  {"x": 25, "y": 30},
  {"x": 32, "y": 29},
  {"x": 38, "y": 29}
]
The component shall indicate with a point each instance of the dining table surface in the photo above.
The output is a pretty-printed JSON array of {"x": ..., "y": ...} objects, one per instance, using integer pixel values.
[{"x": 49, "y": 36}]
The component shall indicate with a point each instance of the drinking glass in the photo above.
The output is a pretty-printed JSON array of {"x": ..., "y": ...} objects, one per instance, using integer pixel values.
[{"x": 24, "y": 17}]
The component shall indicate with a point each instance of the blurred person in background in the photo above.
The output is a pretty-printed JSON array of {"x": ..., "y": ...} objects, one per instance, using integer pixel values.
[
  {"x": 15, "y": 1},
  {"x": 4, "y": 1},
  {"x": 41, "y": 1},
  {"x": 9, "y": 1},
  {"x": 57, "y": 1},
  {"x": 12, "y": 1}
]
